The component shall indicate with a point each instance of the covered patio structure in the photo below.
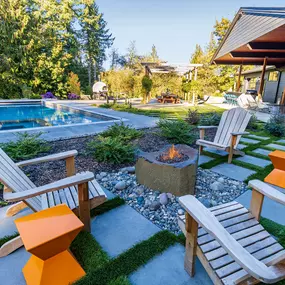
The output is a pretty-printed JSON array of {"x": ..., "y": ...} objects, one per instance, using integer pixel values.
[{"x": 255, "y": 37}]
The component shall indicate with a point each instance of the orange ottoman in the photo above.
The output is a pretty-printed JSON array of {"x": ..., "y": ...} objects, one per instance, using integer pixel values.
[
  {"x": 47, "y": 235},
  {"x": 277, "y": 176}
]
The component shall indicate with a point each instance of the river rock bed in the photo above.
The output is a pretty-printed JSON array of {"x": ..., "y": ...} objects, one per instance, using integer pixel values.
[{"x": 163, "y": 208}]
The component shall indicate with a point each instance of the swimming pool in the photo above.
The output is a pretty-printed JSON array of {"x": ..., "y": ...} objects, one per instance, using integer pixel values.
[{"x": 34, "y": 116}]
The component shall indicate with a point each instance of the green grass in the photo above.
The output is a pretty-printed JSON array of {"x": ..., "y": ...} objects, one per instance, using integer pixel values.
[
  {"x": 130, "y": 260},
  {"x": 7, "y": 238},
  {"x": 175, "y": 112}
]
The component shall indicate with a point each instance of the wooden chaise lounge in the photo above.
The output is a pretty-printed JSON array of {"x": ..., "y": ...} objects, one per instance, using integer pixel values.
[
  {"x": 80, "y": 192},
  {"x": 231, "y": 127},
  {"x": 229, "y": 241}
]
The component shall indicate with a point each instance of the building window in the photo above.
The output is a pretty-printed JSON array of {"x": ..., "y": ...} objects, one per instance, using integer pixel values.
[
  {"x": 252, "y": 84},
  {"x": 273, "y": 76}
]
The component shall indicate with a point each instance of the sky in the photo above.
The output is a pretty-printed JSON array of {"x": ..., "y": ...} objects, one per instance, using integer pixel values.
[{"x": 173, "y": 26}]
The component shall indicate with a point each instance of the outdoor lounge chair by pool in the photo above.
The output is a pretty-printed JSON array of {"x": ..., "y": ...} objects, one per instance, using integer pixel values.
[
  {"x": 229, "y": 241},
  {"x": 231, "y": 127},
  {"x": 80, "y": 192}
]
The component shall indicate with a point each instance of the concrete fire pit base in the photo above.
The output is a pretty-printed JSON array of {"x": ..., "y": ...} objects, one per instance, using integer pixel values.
[{"x": 176, "y": 178}]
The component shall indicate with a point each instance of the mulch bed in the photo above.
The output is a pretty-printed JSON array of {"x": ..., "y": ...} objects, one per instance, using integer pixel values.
[{"x": 48, "y": 172}]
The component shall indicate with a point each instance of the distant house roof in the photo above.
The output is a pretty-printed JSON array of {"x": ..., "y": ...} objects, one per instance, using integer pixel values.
[
  {"x": 254, "y": 34},
  {"x": 258, "y": 70}
]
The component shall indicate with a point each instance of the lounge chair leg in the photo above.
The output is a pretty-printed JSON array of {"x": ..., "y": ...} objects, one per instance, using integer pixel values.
[
  {"x": 200, "y": 149},
  {"x": 10, "y": 246},
  {"x": 233, "y": 142},
  {"x": 191, "y": 227},
  {"x": 15, "y": 209},
  {"x": 84, "y": 206}
]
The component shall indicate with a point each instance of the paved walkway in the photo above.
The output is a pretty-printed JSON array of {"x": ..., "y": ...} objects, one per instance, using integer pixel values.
[{"x": 68, "y": 131}]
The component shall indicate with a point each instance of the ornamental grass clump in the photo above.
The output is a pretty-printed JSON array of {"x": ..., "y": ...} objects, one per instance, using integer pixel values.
[
  {"x": 276, "y": 125},
  {"x": 27, "y": 146},
  {"x": 177, "y": 131},
  {"x": 122, "y": 132},
  {"x": 110, "y": 149}
]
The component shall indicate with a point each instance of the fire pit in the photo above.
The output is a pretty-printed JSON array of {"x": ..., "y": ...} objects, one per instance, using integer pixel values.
[{"x": 173, "y": 169}]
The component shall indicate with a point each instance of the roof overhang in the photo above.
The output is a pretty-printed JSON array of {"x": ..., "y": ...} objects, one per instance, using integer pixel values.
[{"x": 255, "y": 34}]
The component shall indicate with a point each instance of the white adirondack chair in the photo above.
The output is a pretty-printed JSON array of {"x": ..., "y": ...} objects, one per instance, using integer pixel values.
[
  {"x": 80, "y": 192},
  {"x": 232, "y": 126},
  {"x": 229, "y": 241}
]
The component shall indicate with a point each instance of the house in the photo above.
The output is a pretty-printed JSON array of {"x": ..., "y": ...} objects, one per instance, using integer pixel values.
[{"x": 274, "y": 82}]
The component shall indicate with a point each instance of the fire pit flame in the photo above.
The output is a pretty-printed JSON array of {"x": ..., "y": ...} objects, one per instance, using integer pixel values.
[{"x": 171, "y": 154}]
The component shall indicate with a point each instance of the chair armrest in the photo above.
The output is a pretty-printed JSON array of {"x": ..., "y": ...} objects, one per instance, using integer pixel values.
[
  {"x": 52, "y": 157},
  {"x": 267, "y": 191},
  {"x": 60, "y": 184},
  {"x": 239, "y": 133},
  {"x": 207, "y": 127},
  {"x": 209, "y": 222}
]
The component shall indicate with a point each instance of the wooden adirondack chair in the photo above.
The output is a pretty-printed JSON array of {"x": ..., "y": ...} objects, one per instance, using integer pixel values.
[
  {"x": 80, "y": 192},
  {"x": 232, "y": 126},
  {"x": 229, "y": 241}
]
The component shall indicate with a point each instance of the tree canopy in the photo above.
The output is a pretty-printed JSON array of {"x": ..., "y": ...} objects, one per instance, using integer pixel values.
[{"x": 42, "y": 42}]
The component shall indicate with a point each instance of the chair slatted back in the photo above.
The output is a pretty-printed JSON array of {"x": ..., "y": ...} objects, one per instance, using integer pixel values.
[
  {"x": 234, "y": 120},
  {"x": 16, "y": 180}
]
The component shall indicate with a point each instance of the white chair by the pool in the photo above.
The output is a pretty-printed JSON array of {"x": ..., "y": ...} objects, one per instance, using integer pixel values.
[{"x": 80, "y": 192}]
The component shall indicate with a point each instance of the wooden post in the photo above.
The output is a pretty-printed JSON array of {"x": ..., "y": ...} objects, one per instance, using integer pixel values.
[
  {"x": 239, "y": 77},
  {"x": 191, "y": 227},
  {"x": 260, "y": 91},
  {"x": 196, "y": 73},
  {"x": 282, "y": 102},
  {"x": 233, "y": 142},
  {"x": 256, "y": 203},
  {"x": 84, "y": 206},
  {"x": 202, "y": 136},
  {"x": 70, "y": 166}
]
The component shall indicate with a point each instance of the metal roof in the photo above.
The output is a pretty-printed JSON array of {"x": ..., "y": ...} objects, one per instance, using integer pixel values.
[{"x": 254, "y": 34}]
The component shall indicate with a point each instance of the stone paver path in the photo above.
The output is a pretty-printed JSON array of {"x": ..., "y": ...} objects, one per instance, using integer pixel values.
[
  {"x": 233, "y": 171},
  {"x": 262, "y": 151},
  {"x": 120, "y": 229},
  {"x": 281, "y": 141},
  {"x": 258, "y": 137},
  {"x": 276, "y": 146},
  {"x": 241, "y": 146},
  {"x": 250, "y": 141},
  {"x": 204, "y": 159},
  {"x": 167, "y": 269},
  {"x": 254, "y": 160},
  {"x": 216, "y": 151}
]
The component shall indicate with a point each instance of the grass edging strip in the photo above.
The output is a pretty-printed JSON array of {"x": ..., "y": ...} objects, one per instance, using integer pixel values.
[{"x": 130, "y": 260}]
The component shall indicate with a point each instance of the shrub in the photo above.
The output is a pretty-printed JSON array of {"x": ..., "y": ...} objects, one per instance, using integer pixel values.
[
  {"x": 122, "y": 132},
  {"x": 211, "y": 120},
  {"x": 113, "y": 150},
  {"x": 27, "y": 146},
  {"x": 146, "y": 83},
  {"x": 106, "y": 105},
  {"x": 176, "y": 131},
  {"x": 276, "y": 125},
  {"x": 73, "y": 83},
  {"x": 193, "y": 117},
  {"x": 72, "y": 96},
  {"x": 48, "y": 95},
  {"x": 253, "y": 123}
]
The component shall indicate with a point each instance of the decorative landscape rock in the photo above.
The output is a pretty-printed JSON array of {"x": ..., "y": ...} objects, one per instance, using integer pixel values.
[
  {"x": 217, "y": 186},
  {"x": 163, "y": 199},
  {"x": 120, "y": 185},
  {"x": 177, "y": 178}
]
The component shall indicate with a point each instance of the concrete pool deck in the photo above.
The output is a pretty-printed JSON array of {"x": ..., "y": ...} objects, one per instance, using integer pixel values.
[{"x": 77, "y": 130}]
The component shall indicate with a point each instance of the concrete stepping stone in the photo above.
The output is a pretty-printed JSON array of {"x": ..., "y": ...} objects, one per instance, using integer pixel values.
[
  {"x": 233, "y": 171},
  {"x": 7, "y": 225},
  {"x": 281, "y": 141},
  {"x": 259, "y": 137},
  {"x": 250, "y": 141},
  {"x": 11, "y": 267},
  {"x": 241, "y": 146},
  {"x": 262, "y": 151},
  {"x": 216, "y": 151},
  {"x": 120, "y": 229},
  {"x": 204, "y": 159},
  {"x": 276, "y": 146},
  {"x": 168, "y": 269},
  {"x": 254, "y": 160}
]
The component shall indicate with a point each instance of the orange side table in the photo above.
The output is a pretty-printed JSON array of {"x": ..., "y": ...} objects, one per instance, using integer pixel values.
[
  {"x": 47, "y": 235},
  {"x": 277, "y": 176}
]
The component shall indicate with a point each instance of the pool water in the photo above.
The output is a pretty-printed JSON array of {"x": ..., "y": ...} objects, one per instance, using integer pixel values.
[{"x": 33, "y": 116}]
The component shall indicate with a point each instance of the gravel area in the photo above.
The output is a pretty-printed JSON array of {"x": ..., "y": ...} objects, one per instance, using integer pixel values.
[{"x": 163, "y": 208}]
